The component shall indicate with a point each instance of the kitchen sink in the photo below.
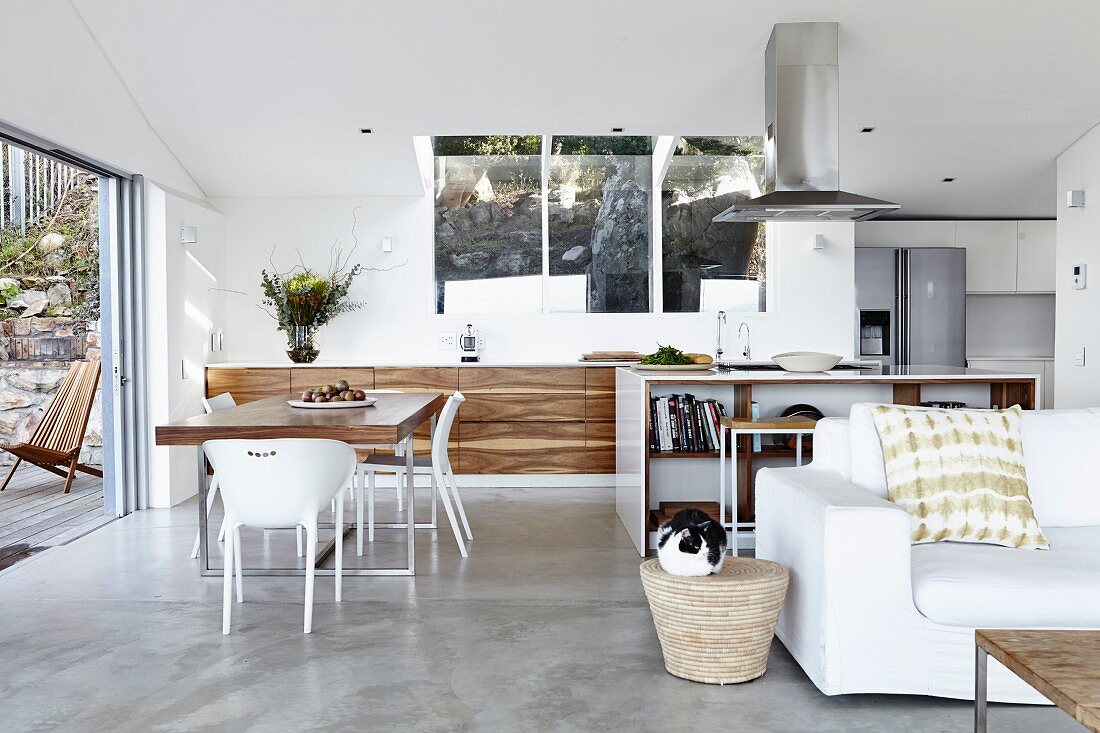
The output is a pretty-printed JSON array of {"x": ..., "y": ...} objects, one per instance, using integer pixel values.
[{"x": 726, "y": 366}]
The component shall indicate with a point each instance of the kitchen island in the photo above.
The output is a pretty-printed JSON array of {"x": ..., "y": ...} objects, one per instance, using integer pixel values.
[{"x": 645, "y": 478}]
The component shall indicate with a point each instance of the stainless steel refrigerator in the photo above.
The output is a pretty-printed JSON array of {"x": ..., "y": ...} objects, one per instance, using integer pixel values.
[{"x": 911, "y": 305}]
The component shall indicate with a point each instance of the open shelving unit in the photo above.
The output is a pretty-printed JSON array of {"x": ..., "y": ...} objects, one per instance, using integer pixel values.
[{"x": 651, "y": 483}]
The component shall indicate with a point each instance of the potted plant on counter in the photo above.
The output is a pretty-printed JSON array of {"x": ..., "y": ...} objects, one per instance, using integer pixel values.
[{"x": 304, "y": 301}]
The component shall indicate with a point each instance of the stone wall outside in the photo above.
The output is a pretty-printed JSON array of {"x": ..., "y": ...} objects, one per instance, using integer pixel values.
[{"x": 27, "y": 383}]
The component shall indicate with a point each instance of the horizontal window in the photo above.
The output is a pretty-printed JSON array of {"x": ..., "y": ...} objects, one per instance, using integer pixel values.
[{"x": 565, "y": 224}]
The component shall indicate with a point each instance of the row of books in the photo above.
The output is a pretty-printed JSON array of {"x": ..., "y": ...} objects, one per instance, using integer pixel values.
[{"x": 682, "y": 423}]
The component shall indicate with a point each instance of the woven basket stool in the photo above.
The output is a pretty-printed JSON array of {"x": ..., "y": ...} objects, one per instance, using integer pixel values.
[{"x": 717, "y": 629}]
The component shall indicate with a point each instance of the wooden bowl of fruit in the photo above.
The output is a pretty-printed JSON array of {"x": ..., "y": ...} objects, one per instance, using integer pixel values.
[{"x": 340, "y": 395}]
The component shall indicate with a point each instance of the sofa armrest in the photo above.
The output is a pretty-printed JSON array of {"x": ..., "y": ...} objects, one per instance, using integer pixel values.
[{"x": 848, "y": 553}]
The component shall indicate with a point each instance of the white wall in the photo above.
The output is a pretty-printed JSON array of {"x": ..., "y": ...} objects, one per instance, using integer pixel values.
[
  {"x": 815, "y": 297},
  {"x": 184, "y": 306},
  {"x": 58, "y": 84},
  {"x": 1010, "y": 325},
  {"x": 1077, "y": 318}
]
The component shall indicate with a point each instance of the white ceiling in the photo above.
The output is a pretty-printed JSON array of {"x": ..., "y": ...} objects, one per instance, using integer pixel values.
[{"x": 266, "y": 97}]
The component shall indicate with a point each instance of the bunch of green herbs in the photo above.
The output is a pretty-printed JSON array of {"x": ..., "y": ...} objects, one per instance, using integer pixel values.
[{"x": 667, "y": 356}]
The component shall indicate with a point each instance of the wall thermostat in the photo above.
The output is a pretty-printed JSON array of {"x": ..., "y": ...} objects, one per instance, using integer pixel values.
[{"x": 1079, "y": 277}]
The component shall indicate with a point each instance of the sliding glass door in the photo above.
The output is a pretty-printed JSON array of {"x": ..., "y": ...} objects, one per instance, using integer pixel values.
[{"x": 118, "y": 306}]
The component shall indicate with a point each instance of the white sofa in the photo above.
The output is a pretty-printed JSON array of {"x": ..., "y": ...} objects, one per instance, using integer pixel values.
[{"x": 869, "y": 612}]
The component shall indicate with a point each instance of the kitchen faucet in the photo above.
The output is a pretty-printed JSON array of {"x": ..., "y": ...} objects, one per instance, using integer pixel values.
[
  {"x": 721, "y": 322},
  {"x": 748, "y": 348}
]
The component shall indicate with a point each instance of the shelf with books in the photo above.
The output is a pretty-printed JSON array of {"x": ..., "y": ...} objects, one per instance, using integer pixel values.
[
  {"x": 683, "y": 424},
  {"x": 771, "y": 451}
]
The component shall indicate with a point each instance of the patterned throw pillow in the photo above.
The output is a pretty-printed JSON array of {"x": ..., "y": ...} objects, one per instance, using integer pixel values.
[{"x": 959, "y": 474}]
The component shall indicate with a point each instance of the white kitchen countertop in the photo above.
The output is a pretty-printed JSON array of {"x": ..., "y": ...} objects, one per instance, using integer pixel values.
[
  {"x": 349, "y": 364},
  {"x": 916, "y": 373},
  {"x": 1010, "y": 358}
]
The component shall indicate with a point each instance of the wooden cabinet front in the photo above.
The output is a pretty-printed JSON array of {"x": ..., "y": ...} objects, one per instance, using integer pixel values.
[
  {"x": 521, "y": 447},
  {"x": 517, "y": 380},
  {"x": 417, "y": 379},
  {"x": 303, "y": 378},
  {"x": 599, "y": 393},
  {"x": 522, "y": 408},
  {"x": 422, "y": 379},
  {"x": 599, "y": 447},
  {"x": 515, "y": 419},
  {"x": 248, "y": 385}
]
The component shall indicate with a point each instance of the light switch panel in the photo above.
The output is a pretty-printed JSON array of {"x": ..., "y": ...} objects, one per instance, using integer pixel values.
[{"x": 1079, "y": 356}]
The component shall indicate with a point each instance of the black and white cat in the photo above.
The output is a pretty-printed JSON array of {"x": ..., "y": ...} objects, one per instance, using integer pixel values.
[{"x": 691, "y": 544}]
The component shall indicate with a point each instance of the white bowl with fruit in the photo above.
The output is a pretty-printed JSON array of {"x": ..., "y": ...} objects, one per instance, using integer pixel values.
[{"x": 340, "y": 395}]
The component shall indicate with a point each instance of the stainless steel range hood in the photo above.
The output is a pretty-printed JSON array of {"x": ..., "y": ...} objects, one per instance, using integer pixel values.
[{"x": 802, "y": 137}]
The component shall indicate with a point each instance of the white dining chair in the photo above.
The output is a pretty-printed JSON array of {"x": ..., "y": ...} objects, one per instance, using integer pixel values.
[
  {"x": 398, "y": 450},
  {"x": 224, "y": 401},
  {"x": 275, "y": 484},
  {"x": 437, "y": 465}
]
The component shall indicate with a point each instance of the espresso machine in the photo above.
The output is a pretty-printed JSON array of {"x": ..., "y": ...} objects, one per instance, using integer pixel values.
[{"x": 467, "y": 343}]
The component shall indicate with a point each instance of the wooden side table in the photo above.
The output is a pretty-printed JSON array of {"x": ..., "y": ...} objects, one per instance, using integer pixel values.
[
  {"x": 1062, "y": 664},
  {"x": 735, "y": 426}
]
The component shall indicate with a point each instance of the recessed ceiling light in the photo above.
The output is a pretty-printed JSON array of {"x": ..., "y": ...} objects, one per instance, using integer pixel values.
[
  {"x": 365, "y": 130},
  {"x": 616, "y": 129},
  {"x": 867, "y": 129},
  {"x": 949, "y": 180}
]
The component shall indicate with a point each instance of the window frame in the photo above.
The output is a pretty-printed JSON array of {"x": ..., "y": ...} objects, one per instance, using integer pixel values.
[{"x": 664, "y": 147}]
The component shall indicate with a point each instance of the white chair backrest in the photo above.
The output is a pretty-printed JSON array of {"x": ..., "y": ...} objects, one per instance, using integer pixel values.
[
  {"x": 221, "y": 401},
  {"x": 443, "y": 430},
  {"x": 280, "y": 482}
]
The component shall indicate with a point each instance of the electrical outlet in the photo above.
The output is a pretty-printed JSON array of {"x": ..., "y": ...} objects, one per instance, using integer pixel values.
[
  {"x": 1079, "y": 357},
  {"x": 446, "y": 340},
  {"x": 480, "y": 342}
]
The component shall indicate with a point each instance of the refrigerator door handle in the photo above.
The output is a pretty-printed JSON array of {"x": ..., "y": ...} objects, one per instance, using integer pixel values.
[
  {"x": 901, "y": 307},
  {"x": 908, "y": 311}
]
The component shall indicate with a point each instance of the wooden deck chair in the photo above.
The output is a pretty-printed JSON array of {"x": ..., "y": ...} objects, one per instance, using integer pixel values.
[{"x": 56, "y": 441}]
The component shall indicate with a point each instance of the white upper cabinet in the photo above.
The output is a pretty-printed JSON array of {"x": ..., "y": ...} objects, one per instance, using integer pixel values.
[
  {"x": 1001, "y": 256},
  {"x": 990, "y": 255},
  {"x": 905, "y": 234},
  {"x": 1035, "y": 260}
]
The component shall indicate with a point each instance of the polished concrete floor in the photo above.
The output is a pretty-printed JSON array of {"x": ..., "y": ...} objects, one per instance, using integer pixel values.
[{"x": 543, "y": 628}]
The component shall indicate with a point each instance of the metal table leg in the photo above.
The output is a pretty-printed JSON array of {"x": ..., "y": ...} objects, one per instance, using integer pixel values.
[
  {"x": 981, "y": 659},
  {"x": 410, "y": 503},
  {"x": 204, "y": 549}
]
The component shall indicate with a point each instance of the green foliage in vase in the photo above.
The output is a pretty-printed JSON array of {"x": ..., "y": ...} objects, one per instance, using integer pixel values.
[{"x": 301, "y": 297}]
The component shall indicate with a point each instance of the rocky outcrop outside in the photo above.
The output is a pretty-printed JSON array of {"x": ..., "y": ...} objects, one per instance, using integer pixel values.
[
  {"x": 599, "y": 216},
  {"x": 696, "y": 247},
  {"x": 618, "y": 274}
]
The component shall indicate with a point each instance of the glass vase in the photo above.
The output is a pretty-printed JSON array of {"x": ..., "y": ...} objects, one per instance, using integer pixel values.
[{"x": 301, "y": 347}]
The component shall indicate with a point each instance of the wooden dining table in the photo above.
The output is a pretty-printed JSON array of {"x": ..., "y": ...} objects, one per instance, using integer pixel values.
[{"x": 391, "y": 420}]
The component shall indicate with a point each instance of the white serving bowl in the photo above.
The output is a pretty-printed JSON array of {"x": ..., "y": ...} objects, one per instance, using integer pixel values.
[{"x": 806, "y": 361}]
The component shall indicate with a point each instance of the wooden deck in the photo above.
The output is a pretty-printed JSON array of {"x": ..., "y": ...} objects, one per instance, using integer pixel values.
[{"x": 36, "y": 514}]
